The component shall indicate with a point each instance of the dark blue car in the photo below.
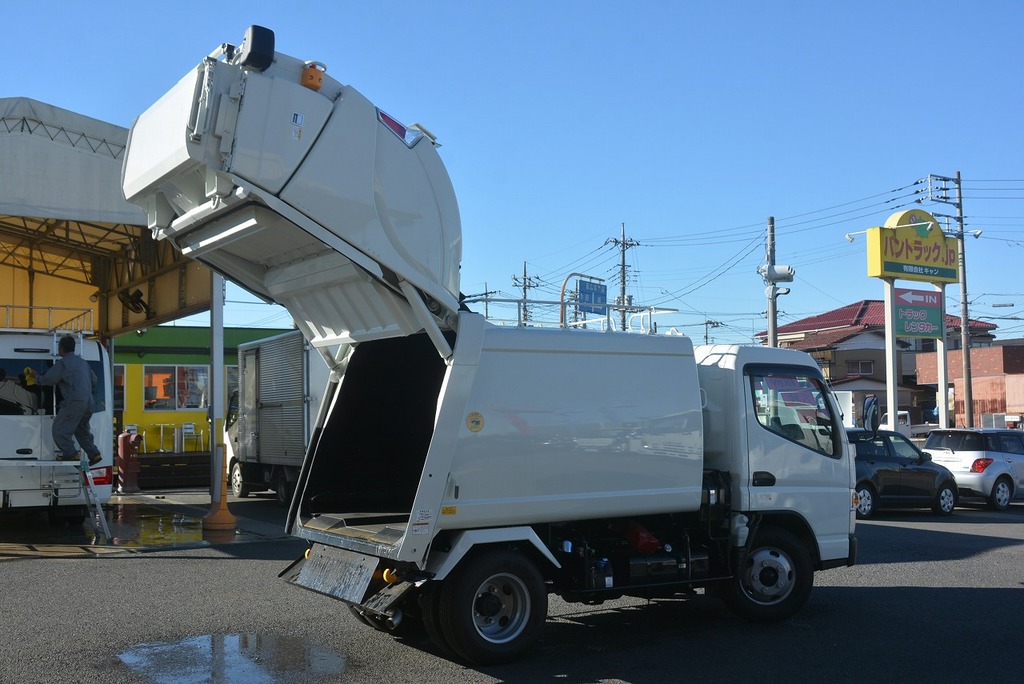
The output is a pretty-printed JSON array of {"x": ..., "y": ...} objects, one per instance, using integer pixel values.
[{"x": 893, "y": 473}]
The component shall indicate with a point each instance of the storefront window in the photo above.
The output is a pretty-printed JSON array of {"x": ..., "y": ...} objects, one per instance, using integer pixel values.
[
  {"x": 168, "y": 388},
  {"x": 119, "y": 387}
]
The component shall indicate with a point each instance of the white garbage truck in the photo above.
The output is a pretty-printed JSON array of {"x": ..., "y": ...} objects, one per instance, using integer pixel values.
[{"x": 461, "y": 472}]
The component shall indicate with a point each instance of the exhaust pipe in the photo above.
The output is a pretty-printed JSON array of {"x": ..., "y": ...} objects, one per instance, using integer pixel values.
[{"x": 395, "y": 619}]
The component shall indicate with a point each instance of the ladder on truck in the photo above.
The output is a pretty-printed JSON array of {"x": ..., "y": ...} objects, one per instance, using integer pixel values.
[{"x": 97, "y": 520}]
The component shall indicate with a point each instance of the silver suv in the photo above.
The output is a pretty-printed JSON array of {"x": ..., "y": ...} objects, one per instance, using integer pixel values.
[{"x": 986, "y": 462}]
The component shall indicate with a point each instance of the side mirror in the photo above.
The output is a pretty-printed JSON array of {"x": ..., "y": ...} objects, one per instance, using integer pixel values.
[{"x": 872, "y": 419}]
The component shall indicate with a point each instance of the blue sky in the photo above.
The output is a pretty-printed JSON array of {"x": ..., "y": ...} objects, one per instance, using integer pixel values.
[{"x": 689, "y": 122}]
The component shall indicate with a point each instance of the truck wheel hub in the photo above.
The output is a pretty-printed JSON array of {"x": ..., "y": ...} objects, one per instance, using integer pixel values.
[
  {"x": 487, "y": 605},
  {"x": 769, "y": 574}
]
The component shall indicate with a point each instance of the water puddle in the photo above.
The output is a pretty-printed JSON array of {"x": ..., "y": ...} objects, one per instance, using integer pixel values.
[
  {"x": 145, "y": 526},
  {"x": 232, "y": 659}
]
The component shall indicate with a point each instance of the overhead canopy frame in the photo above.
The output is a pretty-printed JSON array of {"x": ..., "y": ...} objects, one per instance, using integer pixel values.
[{"x": 63, "y": 220}]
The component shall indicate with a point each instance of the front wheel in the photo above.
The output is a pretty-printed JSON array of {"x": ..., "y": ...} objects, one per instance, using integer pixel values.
[
  {"x": 238, "y": 487},
  {"x": 945, "y": 500},
  {"x": 774, "y": 580},
  {"x": 492, "y": 609}
]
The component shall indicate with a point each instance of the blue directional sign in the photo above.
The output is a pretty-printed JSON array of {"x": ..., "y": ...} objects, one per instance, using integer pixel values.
[{"x": 592, "y": 297}]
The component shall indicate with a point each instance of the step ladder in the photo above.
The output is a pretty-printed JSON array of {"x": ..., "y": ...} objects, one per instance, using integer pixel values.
[{"x": 97, "y": 520}]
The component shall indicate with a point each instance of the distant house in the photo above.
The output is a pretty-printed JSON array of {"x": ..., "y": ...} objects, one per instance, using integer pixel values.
[
  {"x": 849, "y": 345},
  {"x": 997, "y": 381}
]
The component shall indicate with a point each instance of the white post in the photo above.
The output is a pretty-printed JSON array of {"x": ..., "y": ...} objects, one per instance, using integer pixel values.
[{"x": 891, "y": 381}]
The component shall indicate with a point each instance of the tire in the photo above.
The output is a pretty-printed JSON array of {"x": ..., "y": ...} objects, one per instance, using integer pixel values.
[
  {"x": 774, "y": 580},
  {"x": 866, "y": 501},
  {"x": 945, "y": 499},
  {"x": 1002, "y": 494},
  {"x": 492, "y": 609},
  {"x": 238, "y": 487},
  {"x": 430, "y": 611},
  {"x": 283, "y": 490}
]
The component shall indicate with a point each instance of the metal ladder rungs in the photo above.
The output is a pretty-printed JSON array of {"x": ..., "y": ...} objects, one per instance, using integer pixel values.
[{"x": 97, "y": 520}]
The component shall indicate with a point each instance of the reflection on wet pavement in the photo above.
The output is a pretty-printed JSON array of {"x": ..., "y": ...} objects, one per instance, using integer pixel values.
[
  {"x": 232, "y": 658},
  {"x": 132, "y": 526}
]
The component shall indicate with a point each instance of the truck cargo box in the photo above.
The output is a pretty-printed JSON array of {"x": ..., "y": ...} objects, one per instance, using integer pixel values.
[{"x": 524, "y": 426}]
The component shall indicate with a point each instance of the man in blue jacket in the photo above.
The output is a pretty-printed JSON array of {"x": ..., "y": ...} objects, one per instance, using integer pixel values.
[{"x": 76, "y": 382}]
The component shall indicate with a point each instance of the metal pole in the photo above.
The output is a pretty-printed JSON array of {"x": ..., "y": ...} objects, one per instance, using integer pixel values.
[
  {"x": 622, "y": 276},
  {"x": 773, "y": 332},
  {"x": 965, "y": 321}
]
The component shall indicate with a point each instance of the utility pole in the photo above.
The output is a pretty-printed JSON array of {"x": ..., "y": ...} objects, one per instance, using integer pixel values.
[
  {"x": 774, "y": 274},
  {"x": 486, "y": 294},
  {"x": 526, "y": 282},
  {"x": 623, "y": 244},
  {"x": 965, "y": 321},
  {"x": 708, "y": 323}
]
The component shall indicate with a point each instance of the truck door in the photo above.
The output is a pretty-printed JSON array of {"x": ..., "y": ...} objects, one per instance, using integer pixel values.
[
  {"x": 796, "y": 451},
  {"x": 248, "y": 409}
]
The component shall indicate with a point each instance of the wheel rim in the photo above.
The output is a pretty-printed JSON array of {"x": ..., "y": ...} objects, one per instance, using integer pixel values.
[
  {"x": 946, "y": 500},
  {"x": 1002, "y": 494},
  {"x": 501, "y": 608},
  {"x": 865, "y": 502},
  {"x": 768, "y": 576},
  {"x": 236, "y": 479}
]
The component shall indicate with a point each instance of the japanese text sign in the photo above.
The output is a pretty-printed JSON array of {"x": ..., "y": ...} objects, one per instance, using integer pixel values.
[{"x": 912, "y": 246}]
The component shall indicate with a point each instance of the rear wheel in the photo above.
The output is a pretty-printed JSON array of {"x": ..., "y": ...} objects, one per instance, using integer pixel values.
[
  {"x": 283, "y": 489},
  {"x": 430, "y": 611},
  {"x": 238, "y": 487},
  {"x": 775, "y": 579},
  {"x": 945, "y": 500},
  {"x": 493, "y": 608},
  {"x": 1002, "y": 492},
  {"x": 865, "y": 501}
]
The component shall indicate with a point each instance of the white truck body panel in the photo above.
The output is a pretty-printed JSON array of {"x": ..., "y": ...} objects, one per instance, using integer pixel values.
[{"x": 539, "y": 437}]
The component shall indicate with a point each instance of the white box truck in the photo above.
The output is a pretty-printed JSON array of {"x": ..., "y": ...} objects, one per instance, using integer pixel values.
[
  {"x": 461, "y": 472},
  {"x": 31, "y": 476},
  {"x": 270, "y": 417}
]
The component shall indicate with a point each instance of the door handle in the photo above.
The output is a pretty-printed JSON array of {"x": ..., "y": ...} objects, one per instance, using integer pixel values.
[{"x": 763, "y": 478}]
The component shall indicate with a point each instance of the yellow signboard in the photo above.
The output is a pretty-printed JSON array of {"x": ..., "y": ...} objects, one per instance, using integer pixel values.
[{"x": 912, "y": 246}]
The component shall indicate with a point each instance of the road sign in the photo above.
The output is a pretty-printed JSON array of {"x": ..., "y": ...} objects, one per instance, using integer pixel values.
[
  {"x": 592, "y": 296},
  {"x": 918, "y": 313}
]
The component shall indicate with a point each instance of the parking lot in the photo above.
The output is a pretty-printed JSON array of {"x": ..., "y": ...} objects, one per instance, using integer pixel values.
[{"x": 931, "y": 600}]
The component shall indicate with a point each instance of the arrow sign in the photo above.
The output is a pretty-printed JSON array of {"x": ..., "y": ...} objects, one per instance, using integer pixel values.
[
  {"x": 918, "y": 313},
  {"x": 920, "y": 297}
]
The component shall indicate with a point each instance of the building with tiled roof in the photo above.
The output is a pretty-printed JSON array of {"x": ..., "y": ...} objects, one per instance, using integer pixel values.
[{"x": 849, "y": 345}]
